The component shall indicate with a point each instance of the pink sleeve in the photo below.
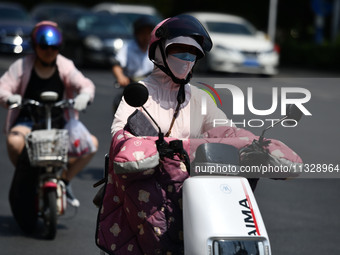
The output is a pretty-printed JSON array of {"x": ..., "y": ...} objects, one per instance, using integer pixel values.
[
  {"x": 75, "y": 81},
  {"x": 10, "y": 81},
  {"x": 121, "y": 116}
]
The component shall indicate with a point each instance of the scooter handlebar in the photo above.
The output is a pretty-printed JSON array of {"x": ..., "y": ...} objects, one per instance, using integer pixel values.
[{"x": 65, "y": 103}]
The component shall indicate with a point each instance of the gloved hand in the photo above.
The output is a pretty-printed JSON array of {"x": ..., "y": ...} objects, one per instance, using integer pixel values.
[
  {"x": 255, "y": 154},
  {"x": 14, "y": 99},
  {"x": 81, "y": 101}
]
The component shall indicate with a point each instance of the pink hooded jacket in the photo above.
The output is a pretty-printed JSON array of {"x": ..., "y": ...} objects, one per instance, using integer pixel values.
[
  {"x": 162, "y": 103},
  {"x": 15, "y": 81}
]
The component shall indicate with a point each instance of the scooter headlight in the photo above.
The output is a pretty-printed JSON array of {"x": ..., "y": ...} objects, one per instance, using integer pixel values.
[{"x": 239, "y": 246}]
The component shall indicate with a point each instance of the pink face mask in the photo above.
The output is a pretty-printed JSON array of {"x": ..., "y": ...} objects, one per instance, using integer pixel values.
[{"x": 181, "y": 64}]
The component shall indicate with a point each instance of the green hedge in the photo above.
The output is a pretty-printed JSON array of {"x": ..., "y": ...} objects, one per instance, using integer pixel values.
[{"x": 324, "y": 56}]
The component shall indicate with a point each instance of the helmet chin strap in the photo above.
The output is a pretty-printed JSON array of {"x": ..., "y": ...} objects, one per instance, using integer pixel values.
[{"x": 181, "y": 91}]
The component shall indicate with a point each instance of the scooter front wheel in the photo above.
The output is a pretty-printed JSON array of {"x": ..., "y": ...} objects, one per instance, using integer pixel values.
[{"x": 50, "y": 214}]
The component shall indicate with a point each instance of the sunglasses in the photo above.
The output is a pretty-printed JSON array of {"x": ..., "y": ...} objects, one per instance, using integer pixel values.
[{"x": 46, "y": 47}]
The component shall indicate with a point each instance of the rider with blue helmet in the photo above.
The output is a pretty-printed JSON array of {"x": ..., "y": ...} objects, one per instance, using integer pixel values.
[{"x": 27, "y": 78}]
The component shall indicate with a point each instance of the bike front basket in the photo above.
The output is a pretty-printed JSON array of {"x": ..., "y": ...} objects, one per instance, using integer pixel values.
[{"x": 47, "y": 147}]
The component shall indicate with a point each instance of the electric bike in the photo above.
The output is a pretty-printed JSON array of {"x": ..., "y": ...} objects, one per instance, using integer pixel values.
[
  {"x": 37, "y": 190},
  {"x": 220, "y": 212}
]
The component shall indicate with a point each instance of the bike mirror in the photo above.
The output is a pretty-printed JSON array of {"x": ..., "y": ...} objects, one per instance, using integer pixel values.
[
  {"x": 49, "y": 96},
  {"x": 136, "y": 94},
  {"x": 293, "y": 112}
]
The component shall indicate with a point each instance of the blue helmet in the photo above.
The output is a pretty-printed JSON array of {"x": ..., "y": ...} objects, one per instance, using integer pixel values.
[{"x": 46, "y": 33}]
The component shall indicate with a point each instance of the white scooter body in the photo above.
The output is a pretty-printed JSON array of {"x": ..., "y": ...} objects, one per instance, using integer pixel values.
[{"x": 221, "y": 217}]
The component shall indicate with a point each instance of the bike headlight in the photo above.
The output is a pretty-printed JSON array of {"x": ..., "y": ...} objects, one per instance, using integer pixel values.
[
  {"x": 225, "y": 247},
  {"x": 94, "y": 42}
]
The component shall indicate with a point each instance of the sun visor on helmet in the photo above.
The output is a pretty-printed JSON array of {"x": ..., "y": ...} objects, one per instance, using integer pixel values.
[
  {"x": 184, "y": 40},
  {"x": 185, "y": 25},
  {"x": 47, "y": 35}
]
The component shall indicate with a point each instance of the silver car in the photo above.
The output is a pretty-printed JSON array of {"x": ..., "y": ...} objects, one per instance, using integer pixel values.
[{"x": 128, "y": 12}]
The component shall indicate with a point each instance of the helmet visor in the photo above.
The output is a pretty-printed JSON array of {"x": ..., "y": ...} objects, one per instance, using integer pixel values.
[
  {"x": 47, "y": 35},
  {"x": 185, "y": 25}
]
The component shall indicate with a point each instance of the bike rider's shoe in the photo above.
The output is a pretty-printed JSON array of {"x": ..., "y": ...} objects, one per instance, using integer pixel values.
[{"x": 71, "y": 199}]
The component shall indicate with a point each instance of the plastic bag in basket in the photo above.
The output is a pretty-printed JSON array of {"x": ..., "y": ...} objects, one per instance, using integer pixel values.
[
  {"x": 46, "y": 147},
  {"x": 80, "y": 142}
]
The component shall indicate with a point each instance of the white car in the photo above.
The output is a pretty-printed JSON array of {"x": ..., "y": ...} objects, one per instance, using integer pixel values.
[
  {"x": 237, "y": 46},
  {"x": 128, "y": 12},
  {"x": 125, "y": 8}
]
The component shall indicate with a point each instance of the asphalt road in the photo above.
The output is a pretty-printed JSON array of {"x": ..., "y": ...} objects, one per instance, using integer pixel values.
[{"x": 301, "y": 215}]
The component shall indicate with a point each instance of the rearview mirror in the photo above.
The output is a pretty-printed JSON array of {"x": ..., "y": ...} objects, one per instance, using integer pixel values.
[
  {"x": 136, "y": 94},
  {"x": 293, "y": 112}
]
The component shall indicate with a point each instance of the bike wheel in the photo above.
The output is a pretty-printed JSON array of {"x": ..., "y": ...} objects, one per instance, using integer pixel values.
[
  {"x": 50, "y": 214},
  {"x": 22, "y": 195}
]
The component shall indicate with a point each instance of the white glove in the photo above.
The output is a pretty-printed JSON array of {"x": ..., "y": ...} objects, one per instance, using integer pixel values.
[
  {"x": 81, "y": 101},
  {"x": 14, "y": 99}
]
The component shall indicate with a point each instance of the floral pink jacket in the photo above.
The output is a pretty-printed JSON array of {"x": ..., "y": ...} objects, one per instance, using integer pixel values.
[
  {"x": 141, "y": 211},
  {"x": 15, "y": 81}
]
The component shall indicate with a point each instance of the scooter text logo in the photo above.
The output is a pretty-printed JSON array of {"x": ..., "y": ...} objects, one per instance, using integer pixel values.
[
  {"x": 287, "y": 96},
  {"x": 225, "y": 188}
]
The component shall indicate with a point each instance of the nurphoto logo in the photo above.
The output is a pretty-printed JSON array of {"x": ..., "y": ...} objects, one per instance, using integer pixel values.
[{"x": 287, "y": 96}]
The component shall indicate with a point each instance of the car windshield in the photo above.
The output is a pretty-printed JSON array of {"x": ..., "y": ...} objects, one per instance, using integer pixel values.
[
  {"x": 13, "y": 14},
  {"x": 230, "y": 28},
  {"x": 102, "y": 24},
  {"x": 53, "y": 13},
  {"x": 130, "y": 18}
]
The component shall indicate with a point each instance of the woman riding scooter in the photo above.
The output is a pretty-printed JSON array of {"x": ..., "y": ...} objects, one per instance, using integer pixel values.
[
  {"x": 141, "y": 209},
  {"x": 176, "y": 44},
  {"x": 27, "y": 78}
]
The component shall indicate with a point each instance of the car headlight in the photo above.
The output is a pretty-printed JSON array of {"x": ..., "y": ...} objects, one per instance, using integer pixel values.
[
  {"x": 17, "y": 40},
  {"x": 220, "y": 47},
  {"x": 271, "y": 51},
  {"x": 94, "y": 42},
  {"x": 229, "y": 51},
  {"x": 118, "y": 44}
]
